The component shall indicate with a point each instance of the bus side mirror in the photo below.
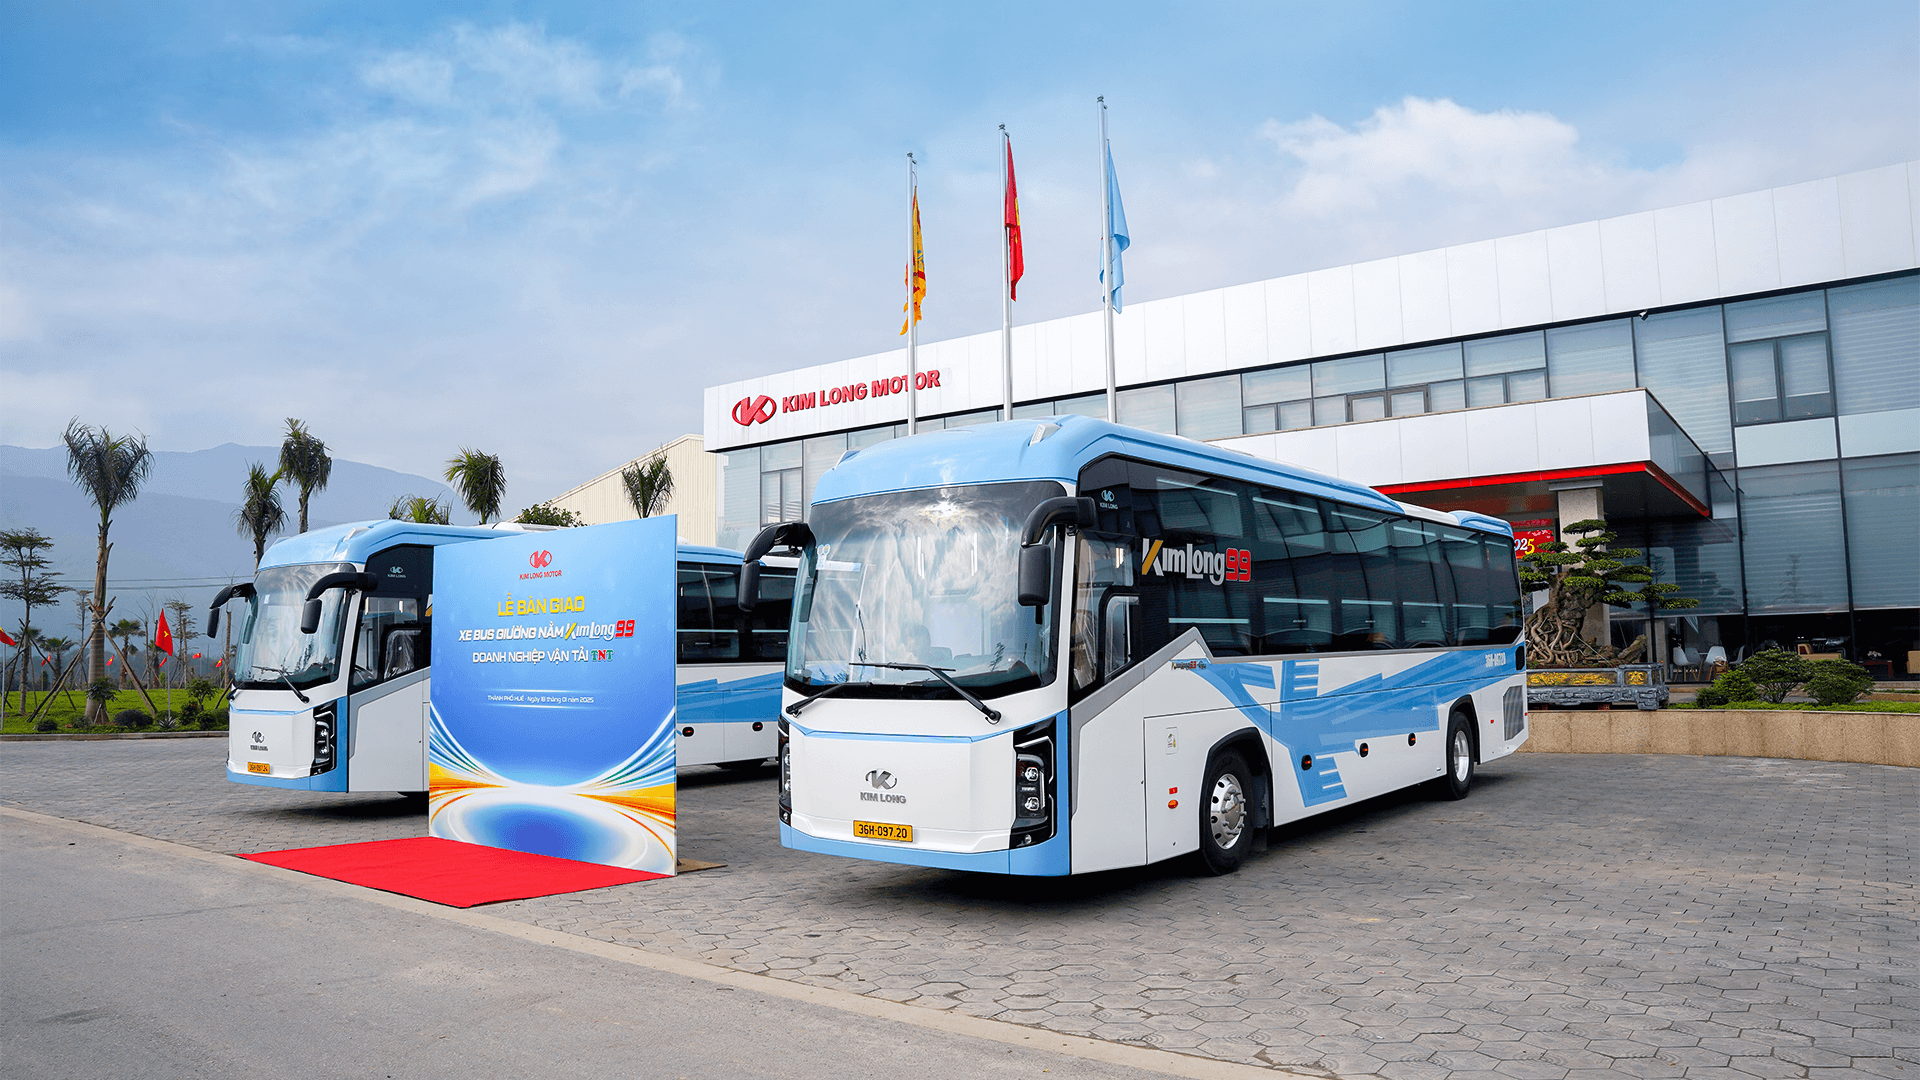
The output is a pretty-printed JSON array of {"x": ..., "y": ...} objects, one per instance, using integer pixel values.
[
  {"x": 231, "y": 592},
  {"x": 310, "y": 617},
  {"x": 790, "y": 534},
  {"x": 1036, "y": 575},
  {"x": 213, "y": 622}
]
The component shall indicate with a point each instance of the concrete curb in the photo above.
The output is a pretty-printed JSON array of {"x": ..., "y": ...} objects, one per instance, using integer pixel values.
[
  {"x": 84, "y": 736},
  {"x": 1863, "y": 737}
]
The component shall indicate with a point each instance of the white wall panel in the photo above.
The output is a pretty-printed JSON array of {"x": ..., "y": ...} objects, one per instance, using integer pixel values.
[
  {"x": 1330, "y": 301},
  {"x": 1089, "y": 355},
  {"x": 1244, "y": 314},
  {"x": 1289, "y": 319},
  {"x": 1310, "y": 448},
  {"x": 1876, "y": 221},
  {"x": 1260, "y": 446},
  {"x": 1166, "y": 356},
  {"x": 1034, "y": 365},
  {"x": 1619, "y": 427},
  {"x": 1433, "y": 447},
  {"x": 1913, "y": 202},
  {"x": 1631, "y": 258},
  {"x": 1688, "y": 267},
  {"x": 1574, "y": 271},
  {"x": 1502, "y": 440},
  {"x": 1526, "y": 292},
  {"x": 1806, "y": 219},
  {"x": 1369, "y": 453},
  {"x": 1777, "y": 444},
  {"x": 987, "y": 373},
  {"x": 1204, "y": 316},
  {"x": 1565, "y": 432},
  {"x": 1376, "y": 304},
  {"x": 1129, "y": 345},
  {"x": 1746, "y": 249},
  {"x": 1057, "y": 337},
  {"x": 1473, "y": 288},
  {"x": 1894, "y": 431},
  {"x": 1425, "y": 310}
]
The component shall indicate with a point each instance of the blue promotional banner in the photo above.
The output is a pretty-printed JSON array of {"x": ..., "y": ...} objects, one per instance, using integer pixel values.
[{"x": 552, "y": 718}]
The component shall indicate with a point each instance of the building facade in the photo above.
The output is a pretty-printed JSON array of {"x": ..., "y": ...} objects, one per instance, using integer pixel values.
[
  {"x": 1733, "y": 385},
  {"x": 604, "y": 498}
]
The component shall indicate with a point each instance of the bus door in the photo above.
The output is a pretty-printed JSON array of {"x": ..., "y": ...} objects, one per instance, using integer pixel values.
[{"x": 386, "y": 726}]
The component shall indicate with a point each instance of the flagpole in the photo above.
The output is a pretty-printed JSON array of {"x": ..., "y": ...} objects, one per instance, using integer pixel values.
[
  {"x": 1006, "y": 284},
  {"x": 913, "y": 327},
  {"x": 1106, "y": 260}
]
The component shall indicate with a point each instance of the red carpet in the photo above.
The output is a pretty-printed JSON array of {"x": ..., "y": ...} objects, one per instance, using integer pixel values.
[{"x": 449, "y": 872}]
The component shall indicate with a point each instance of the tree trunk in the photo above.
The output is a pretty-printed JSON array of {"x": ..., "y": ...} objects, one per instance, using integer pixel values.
[{"x": 96, "y": 637}]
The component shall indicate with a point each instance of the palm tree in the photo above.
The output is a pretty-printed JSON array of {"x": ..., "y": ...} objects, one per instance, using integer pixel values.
[
  {"x": 259, "y": 514},
  {"x": 304, "y": 463},
  {"x": 649, "y": 485},
  {"x": 110, "y": 469},
  {"x": 30, "y": 638},
  {"x": 56, "y": 647},
  {"x": 481, "y": 481},
  {"x": 123, "y": 632},
  {"x": 420, "y": 510}
]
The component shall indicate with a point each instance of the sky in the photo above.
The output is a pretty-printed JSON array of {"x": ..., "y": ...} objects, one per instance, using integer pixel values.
[{"x": 540, "y": 230}]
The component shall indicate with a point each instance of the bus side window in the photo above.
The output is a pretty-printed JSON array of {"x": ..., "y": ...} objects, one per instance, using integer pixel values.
[
  {"x": 376, "y": 657},
  {"x": 1102, "y": 577},
  {"x": 767, "y": 625},
  {"x": 706, "y": 626}
]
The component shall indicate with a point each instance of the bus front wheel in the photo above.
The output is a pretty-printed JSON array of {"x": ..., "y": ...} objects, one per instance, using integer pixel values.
[
  {"x": 1458, "y": 780},
  {"x": 1226, "y": 813}
]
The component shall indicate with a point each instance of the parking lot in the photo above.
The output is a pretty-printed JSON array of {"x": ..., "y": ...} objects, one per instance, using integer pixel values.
[{"x": 1578, "y": 915}]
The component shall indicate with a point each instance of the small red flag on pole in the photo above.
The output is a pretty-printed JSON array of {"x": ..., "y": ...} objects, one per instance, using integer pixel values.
[
  {"x": 7, "y": 640},
  {"x": 1016, "y": 256},
  {"x": 163, "y": 636}
]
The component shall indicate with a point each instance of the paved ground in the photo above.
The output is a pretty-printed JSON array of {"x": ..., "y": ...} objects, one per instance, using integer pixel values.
[{"x": 1580, "y": 915}]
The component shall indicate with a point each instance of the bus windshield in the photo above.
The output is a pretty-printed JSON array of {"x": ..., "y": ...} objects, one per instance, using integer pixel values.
[
  {"x": 920, "y": 578},
  {"x": 273, "y": 651}
]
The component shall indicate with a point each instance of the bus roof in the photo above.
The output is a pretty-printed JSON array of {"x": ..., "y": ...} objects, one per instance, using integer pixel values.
[
  {"x": 355, "y": 541},
  {"x": 1056, "y": 447}
]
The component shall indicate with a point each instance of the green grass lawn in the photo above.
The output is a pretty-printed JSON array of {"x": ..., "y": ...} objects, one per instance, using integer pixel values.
[{"x": 68, "y": 710}]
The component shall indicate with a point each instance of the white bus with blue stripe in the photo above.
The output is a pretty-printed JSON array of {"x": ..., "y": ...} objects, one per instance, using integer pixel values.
[
  {"x": 1059, "y": 646},
  {"x": 332, "y": 677}
]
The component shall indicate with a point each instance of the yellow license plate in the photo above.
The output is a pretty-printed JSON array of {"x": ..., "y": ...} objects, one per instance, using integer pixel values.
[
  {"x": 880, "y": 830},
  {"x": 259, "y": 767}
]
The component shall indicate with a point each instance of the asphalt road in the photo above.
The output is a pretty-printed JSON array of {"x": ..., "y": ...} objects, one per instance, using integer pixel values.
[{"x": 125, "y": 959}]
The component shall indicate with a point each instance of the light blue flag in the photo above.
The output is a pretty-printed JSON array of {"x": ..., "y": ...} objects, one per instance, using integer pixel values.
[{"x": 1116, "y": 224}]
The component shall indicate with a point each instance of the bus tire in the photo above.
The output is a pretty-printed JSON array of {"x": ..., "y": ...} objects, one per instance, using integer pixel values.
[
  {"x": 1226, "y": 813},
  {"x": 1458, "y": 781}
]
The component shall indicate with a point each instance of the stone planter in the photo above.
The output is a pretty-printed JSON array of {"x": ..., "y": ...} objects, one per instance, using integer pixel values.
[
  {"x": 1869, "y": 738},
  {"x": 1639, "y": 685}
]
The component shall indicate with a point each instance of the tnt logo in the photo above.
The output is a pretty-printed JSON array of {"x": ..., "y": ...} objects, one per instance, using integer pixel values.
[{"x": 623, "y": 628}]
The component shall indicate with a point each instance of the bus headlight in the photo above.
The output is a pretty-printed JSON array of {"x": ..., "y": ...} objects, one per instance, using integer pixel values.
[
  {"x": 325, "y": 737},
  {"x": 1033, "y": 785},
  {"x": 783, "y": 755}
]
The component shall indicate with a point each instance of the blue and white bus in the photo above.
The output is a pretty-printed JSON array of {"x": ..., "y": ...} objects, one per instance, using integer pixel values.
[
  {"x": 332, "y": 677},
  {"x": 1061, "y": 645}
]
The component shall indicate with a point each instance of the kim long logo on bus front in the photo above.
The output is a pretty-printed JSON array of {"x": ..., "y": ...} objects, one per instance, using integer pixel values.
[{"x": 749, "y": 411}]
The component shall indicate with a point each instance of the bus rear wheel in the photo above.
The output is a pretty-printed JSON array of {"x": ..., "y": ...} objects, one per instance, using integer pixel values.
[
  {"x": 1226, "y": 813},
  {"x": 1458, "y": 780}
]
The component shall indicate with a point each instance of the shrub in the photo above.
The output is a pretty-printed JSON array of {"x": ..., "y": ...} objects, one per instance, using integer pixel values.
[
  {"x": 1776, "y": 672},
  {"x": 101, "y": 690},
  {"x": 190, "y": 710},
  {"x": 45, "y": 724},
  {"x": 1728, "y": 688},
  {"x": 1837, "y": 682},
  {"x": 132, "y": 718}
]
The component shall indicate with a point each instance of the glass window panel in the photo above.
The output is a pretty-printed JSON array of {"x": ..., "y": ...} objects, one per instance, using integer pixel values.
[
  {"x": 1527, "y": 386},
  {"x": 1370, "y": 407},
  {"x": 1795, "y": 554},
  {"x": 1803, "y": 371},
  {"x": 1515, "y": 352},
  {"x": 858, "y": 440},
  {"x": 1260, "y": 419},
  {"x": 1446, "y": 396},
  {"x": 1777, "y": 316},
  {"x": 1033, "y": 410},
  {"x": 1149, "y": 407},
  {"x": 1209, "y": 408},
  {"x": 1883, "y": 517},
  {"x": 1084, "y": 405},
  {"x": 1295, "y": 415},
  {"x": 1702, "y": 556},
  {"x": 770, "y": 504},
  {"x": 1329, "y": 410},
  {"x": 1682, "y": 359},
  {"x": 1591, "y": 359},
  {"x": 1409, "y": 402},
  {"x": 1876, "y": 345},
  {"x": 819, "y": 454},
  {"x": 1276, "y": 384},
  {"x": 925, "y": 424},
  {"x": 1756, "y": 393},
  {"x": 793, "y": 503},
  {"x": 1347, "y": 376},
  {"x": 780, "y": 455},
  {"x": 739, "y": 500},
  {"x": 982, "y": 416},
  {"x": 1488, "y": 391},
  {"x": 1417, "y": 366}
]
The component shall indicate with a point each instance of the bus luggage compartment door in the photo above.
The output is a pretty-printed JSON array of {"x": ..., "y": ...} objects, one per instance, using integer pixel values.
[{"x": 955, "y": 793}]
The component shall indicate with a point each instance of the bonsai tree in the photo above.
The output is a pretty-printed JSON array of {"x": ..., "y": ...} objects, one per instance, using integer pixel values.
[
  {"x": 548, "y": 514},
  {"x": 1578, "y": 577},
  {"x": 1838, "y": 682}
]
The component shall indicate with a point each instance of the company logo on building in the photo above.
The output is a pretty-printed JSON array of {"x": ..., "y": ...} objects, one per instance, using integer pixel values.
[
  {"x": 749, "y": 411},
  {"x": 1233, "y": 564}
]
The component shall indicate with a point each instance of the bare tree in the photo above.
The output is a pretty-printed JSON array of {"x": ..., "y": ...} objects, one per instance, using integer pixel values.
[{"x": 110, "y": 469}]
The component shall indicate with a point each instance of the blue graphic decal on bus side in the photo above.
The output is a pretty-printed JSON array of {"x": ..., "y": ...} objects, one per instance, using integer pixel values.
[{"x": 740, "y": 700}]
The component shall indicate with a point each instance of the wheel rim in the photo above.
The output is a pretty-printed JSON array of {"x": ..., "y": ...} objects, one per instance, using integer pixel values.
[
  {"x": 1462, "y": 757},
  {"x": 1227, "y": 815}
]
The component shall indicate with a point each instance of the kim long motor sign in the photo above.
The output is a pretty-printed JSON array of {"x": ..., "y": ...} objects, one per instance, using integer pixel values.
[
  {"x": 552, "y": 719},
  {"x": 749, "y": 411}
]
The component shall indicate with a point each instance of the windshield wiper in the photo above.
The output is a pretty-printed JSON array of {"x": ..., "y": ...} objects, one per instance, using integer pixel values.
[
  {"x": 304, "y": 699},
  {"x": 794, "y": 709},
  {"x": 992, "y": 715}
]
